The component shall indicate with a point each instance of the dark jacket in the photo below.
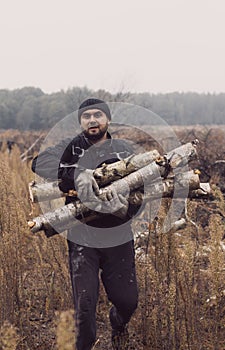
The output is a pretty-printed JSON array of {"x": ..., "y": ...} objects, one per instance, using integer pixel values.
[{"x": 65, "y": 160}]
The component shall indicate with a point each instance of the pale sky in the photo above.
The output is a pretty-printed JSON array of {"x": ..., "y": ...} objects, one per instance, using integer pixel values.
[{"x": 129, "y": 45}]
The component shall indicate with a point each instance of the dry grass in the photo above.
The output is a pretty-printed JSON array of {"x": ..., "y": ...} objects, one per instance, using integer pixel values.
[
  {"x": 181, "y": 279},
  {"x": 65, "y": 331},
  {"x": 9, "y": 338}
]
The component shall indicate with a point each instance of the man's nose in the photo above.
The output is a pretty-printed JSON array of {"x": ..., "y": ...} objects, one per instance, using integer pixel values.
[{"x": 92, "y": 119}]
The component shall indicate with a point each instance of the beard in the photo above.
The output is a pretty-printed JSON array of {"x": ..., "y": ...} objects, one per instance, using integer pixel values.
[{"x": 98, "y": 136}]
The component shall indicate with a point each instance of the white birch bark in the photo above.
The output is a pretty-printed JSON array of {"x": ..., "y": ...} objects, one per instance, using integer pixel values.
[
  {"x": 111, "y": 172},
  {"x": 135, "y": 175},
  {"x": 63, "y": 218}
]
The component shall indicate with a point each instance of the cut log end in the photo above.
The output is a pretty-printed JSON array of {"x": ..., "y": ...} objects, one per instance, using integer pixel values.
[
  {"x": 197, "y": 171},
  {"x": 31, "y": 224}
]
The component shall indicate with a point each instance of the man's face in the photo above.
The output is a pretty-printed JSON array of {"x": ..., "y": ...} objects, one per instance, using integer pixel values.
[{"x": 94, "y": 124}]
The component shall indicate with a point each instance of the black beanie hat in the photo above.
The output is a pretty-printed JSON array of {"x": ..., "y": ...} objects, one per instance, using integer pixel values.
[{"x": 92, "y": 103}]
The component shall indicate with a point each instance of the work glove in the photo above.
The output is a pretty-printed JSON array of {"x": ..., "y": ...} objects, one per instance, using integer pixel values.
[
  {"x": 115, "y": 204},
  {"x": 86, "y": 186},
  {"x": 88, "y": 193}
]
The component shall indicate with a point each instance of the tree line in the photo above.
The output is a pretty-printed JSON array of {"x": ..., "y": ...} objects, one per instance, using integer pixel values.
[{"x": 29, "y": 108}]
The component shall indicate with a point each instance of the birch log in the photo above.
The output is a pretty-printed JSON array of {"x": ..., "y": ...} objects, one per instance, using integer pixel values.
[
  {"x": 115, "y": 171},
  {"x": 124, "y": 186},
  {"x": 165, "y": 190},
  {"x": 63, "y": 218},
  {"x": 44, "y": 191},
  {"x": 111, "y": 172},
  {"x": 181, "y": 185},
  {"x": 150, "y": 175},
  {"x": 103, "y": 175},
  {"x": 182, "y": 155}
]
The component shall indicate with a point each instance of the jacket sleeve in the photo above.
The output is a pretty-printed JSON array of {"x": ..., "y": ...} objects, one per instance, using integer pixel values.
[{"x": 47, "y": 163}]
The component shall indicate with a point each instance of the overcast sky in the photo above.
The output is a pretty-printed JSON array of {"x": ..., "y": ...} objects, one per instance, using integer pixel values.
[{"x": 135, "y": 45}]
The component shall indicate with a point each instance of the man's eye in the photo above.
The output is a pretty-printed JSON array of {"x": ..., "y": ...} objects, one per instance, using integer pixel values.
[
  {"x": 98, "y": 115},
  {"x": 86, "y": 116}
]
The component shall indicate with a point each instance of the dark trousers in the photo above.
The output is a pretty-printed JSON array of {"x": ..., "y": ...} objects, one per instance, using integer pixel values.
[{"x": 118, "y": 275}]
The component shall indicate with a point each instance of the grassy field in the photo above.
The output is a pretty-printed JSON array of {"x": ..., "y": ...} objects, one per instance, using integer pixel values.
[{"x": 180, "y": 274}]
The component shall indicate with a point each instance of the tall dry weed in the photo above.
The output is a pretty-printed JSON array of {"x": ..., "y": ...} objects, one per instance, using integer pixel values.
[
  {"x": 215, "y": 303},
  {"x": 34, "y": 279},
  {"x": 181, "y": 282},
  {"x": 65, "y": 331},
  {"x": 9, "y": 337}
]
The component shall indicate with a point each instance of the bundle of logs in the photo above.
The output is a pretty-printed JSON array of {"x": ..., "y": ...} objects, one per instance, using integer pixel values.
[{"x": 165, "y": 176}]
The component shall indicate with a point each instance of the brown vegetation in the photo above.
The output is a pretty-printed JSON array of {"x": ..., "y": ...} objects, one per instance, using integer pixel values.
[{"x": 181, "y": 274}]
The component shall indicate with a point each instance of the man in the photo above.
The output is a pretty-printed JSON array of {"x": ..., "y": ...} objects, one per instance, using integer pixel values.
[{"x": 104, "y": 244}]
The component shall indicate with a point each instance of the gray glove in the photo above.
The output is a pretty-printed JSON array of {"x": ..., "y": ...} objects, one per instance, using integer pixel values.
[
  {"x": 86, "y": 186},
  {"x": 88, "y": 192},
  {"x": 115, "y": 204}
]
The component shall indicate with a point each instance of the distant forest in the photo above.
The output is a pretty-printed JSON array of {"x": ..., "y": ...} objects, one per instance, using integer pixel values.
[{"x": 30, "y": 108}]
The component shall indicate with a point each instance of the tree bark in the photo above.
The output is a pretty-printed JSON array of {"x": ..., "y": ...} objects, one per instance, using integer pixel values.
[
  {"x": 111, "y": 172},
  {"x": 135, "y": 175},
  {"x": 182, "y": 155},
  {"x": 103, "y": 175},
  {"x": 40, "y": 192},
  {"x": 180, "y": 186},
  {"x": 115, "y": 171},
  {"x": 64, "y": 217}
]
